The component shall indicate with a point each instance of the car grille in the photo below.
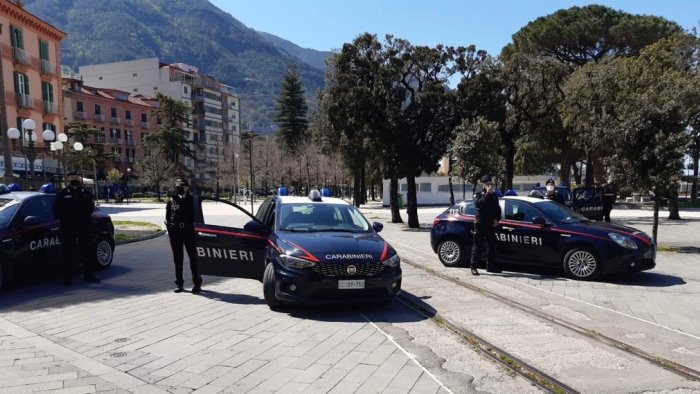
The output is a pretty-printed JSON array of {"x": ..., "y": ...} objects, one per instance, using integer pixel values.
[{"x": 341, "y": 269}]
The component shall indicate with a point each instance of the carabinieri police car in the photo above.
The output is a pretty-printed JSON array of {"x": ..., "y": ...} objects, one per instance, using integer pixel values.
[
  {"x": 540, "y": 232},
  {"x": 29, "y": 234},
  {"x": 307, "y": 250}
]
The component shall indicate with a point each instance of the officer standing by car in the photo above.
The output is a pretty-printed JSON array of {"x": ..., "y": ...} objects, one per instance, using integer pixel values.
[
  {"x": 179, "y": 219},
  {"x": 609, "y": 197},
  {"x": 73, "y": 207},
  {"x": 551, "y": 192},
  {"x": 488, "y": 213}
]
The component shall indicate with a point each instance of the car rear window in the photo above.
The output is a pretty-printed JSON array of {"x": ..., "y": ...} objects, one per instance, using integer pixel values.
[{"x": 8, "y": 207}]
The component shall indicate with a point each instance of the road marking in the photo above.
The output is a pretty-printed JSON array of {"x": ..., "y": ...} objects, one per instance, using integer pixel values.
[
  {"x": 409, "y": 355},
  {"x": 574, "y": 299}
]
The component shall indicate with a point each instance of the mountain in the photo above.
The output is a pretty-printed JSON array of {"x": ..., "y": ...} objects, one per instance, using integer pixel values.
[
  {"x": 195, "y": 32},
  {"x": 312, "y": 57}
]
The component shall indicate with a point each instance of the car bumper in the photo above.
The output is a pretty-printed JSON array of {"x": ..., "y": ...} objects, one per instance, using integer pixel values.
[
  {"x": 626, "y": 260},
  {"x": 311, "y": 288}
]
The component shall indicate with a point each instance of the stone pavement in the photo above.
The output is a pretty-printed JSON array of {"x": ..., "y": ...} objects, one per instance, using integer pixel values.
[{"x": 132, "y": 334}]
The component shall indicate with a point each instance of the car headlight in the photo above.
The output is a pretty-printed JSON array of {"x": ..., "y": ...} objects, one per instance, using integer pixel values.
[
  {"x": 295, "y": 262},
  {"x": 392, "y": 261},
  {"x": 625, "y": 242}
]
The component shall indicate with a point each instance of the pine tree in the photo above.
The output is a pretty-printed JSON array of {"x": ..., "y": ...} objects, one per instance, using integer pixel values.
[{"x": 291, "y": 114}]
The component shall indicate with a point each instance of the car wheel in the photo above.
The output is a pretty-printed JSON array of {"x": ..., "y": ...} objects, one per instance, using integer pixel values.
[
  {"x": 451, "y": 253},
  {"x": 104, "y": 253},
  {"x": 269, "y": 287},
  {"x": 582, "y": 264}
]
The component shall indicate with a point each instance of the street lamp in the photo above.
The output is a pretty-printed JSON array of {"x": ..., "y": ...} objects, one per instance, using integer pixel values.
[
  {"x": 238, "y": 178},
  {"x": 58, "y": 146},
  {"x": 29, "y": 136},
  {"x": 128, "y": 176}
]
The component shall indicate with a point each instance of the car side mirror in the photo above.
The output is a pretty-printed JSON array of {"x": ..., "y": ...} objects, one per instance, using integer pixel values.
[
  {"x": 377, "y": 226},
  {"x": 539, "y": 220},
  {"x": 254, "y": 227},
  {"x": 31, "y": 220}
]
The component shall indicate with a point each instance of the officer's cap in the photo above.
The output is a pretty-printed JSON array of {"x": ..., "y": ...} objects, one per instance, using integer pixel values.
[
  {"x": 73, "y": 173},
  {"x": 486, "y": 179},
  {"x": 182, "y": 182},
  {"x": 550, "y": 181}
]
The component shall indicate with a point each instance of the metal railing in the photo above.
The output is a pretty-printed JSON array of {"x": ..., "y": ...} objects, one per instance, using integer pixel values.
[
  {"x": 115, "y": 140},
  {"x": 128, "y": 122},
  {"x": 80, "y": 115},
  {"x": 145, "y": 125},
  {"x": 47, "y": 67},
  {"x": 24, "y": 100},
  {"x": 99, "y": 118},
  {"x": 21, "y": 56},
  {"x": 114, "y": 120},
  {"x": 50, "y": 107}
]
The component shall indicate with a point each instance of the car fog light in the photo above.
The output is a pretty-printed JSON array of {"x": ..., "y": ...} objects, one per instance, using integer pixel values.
[{"x": 292, "y": 287}]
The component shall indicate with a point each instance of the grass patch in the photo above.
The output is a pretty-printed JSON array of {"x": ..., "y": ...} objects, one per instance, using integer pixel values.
[
  {"x": 682, "y": 205},
  {"x": 663, "y": 248},
  {"x": 123, "y": 237},
  {"x": 136, "y": 224}
]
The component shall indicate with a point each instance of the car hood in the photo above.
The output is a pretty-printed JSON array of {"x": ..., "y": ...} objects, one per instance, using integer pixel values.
[
  {"x": 603, "y": 228},
  {"x": 336, "y": 246}
]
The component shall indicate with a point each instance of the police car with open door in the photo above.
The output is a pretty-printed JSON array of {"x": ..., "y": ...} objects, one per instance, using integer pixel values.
[
  {"x": 29, "y": 241},
  {"x": 544, "y": 233},
  {"x": 308, "y": 250}
]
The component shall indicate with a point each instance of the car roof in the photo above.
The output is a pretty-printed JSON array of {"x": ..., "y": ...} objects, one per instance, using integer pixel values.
[
  {"x": 20, "y": 195},
  {"x": 533, "y": 200},
  {"x": 306, "y": 200}
]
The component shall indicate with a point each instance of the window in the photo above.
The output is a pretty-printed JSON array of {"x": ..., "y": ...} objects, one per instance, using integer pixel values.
[
  {"x": 79, "y": 106},
  {"x": 114, "y": 112},
  {"x": 98, "y": 109},
  {"x": 21, "y": 83},
  {"x": 185, "y": 90},
  {"x": 425, "y": 187},
  {"x": 47, "y": 91},
  {"x": 404, "y": 187},
  {"x": 136, "y": 89},
  {"x": 49, "y": 126},
  {"x": 127, "y": 114},
  {"x": 115, "y": 133},
  {"x": 41, "y": 207},
  {"x": 16, "y": 37},
  {"x": 143, "y": 117},
  {"x": 520, "y": 211},
  {"x": 135, "y": 75},
  {"x": 100, "y": 78},
  {"x": 467, "y": 209},
  {"x": 43, "y": 50},
  {"x": 159, "y": 121}
]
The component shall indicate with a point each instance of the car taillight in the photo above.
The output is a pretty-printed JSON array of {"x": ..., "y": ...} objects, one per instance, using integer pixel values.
[{"x": 436, "y": 221}]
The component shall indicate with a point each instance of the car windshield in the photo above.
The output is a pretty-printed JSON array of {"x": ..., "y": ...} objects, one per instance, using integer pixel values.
[
  {"x": 8, "y": 207},
  {"x": 308, "y": 217},
  {"x": 559, "y": 213}
]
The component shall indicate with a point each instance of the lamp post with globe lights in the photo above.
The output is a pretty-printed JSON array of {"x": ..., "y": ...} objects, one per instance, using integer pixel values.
[
  {"x": 29, "y": 137},
  {"x": 58, "y": 148}
]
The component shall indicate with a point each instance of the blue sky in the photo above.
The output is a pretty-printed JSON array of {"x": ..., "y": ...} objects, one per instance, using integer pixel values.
[{"x": 327, "y": 24}]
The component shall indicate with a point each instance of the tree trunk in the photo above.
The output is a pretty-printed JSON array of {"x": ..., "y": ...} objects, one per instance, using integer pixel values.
[
  {"x": 577, "y": 173},
  {"x": 673, "y": 213},
  {"x": 393, "y": 195},
  {"x": 363, "y": 185},
  {"x": 655, "y": 225},
  {"x": 452, "y": 193},
  {"x": 412, "y": 203},
  {"x": 356, "y": 187},
  {"x": 509, "y": 153},
  {"x": 565, "y": 171},
  {"x": 590, "y": 171},
  {"x": 371, "y": 191}
]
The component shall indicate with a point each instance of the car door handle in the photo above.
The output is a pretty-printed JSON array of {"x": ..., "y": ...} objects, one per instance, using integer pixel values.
[
  {"x": 508, "y": 228},
  {"x": 208, "y": 235},
  {"x": 55, "y": 229},
  {"x": 565, "y": 235}
]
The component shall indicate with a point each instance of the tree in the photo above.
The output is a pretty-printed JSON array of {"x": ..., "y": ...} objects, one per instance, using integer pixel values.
[
  {"x": 154, "y": 171},
  {"x": 471, "y": 159},
  {"x": 291, "y": 117},
  {"x": 171, "y": 137}
]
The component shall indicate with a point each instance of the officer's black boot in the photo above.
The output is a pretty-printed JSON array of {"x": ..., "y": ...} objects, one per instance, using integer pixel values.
[
  {"x": 474, "y": 271},
  {"x": 179, "y": 288}
]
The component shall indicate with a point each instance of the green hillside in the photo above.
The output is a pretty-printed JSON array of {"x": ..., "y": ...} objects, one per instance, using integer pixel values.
[{"x": 190, "y": 31}]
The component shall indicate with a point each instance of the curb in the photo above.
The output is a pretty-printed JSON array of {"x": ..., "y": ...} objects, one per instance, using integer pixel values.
[{"x": 139, "y": 239}]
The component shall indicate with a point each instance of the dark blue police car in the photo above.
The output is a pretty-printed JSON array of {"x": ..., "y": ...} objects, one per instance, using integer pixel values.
[
  {"x": 29, "y": 235},
  {"x": 540, "y": 232},
  {"x": 307, "y": 250}
]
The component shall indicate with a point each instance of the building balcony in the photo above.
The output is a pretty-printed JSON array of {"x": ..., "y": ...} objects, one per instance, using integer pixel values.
[
  {"x": 99, "y": 118},
  {"x": 100, "y": 139},
  {"x": 129, "y": 141},
  {"x": 145, "y": 125},
  {"x": 114, "y": 120},
  {"x": 47, "y": 67},
  {"x": 80, "y": 115},
  {"x": 131, "y": 159},
  {"x": 50, "y": 107},
  {"x": 21, "y": 56},
  {"x": 115, "y": 140},
  {"x": 24, "y": 100},
  {"x": 128, "y": 122}
]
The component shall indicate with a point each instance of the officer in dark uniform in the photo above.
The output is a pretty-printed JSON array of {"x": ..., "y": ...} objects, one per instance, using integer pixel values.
[
  {"x": 551, "y": 193},
  {"x": 179, "y": 219},
  {"x": 488, "y": 213},
  {"x": 609, "y": 197},
  {"x": 73, "y": 208}
]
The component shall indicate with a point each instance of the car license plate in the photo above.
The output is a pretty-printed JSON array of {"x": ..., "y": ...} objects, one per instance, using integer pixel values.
[{"x": 351, "y": 284}]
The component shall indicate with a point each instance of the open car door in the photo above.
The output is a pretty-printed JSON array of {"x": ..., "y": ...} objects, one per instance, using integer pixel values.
[
  {"x": 229, "y": 241},
  {"x": 589, "y": 202}
]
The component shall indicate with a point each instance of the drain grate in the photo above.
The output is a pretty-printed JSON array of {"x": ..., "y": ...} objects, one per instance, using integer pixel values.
[{"x": 118, "y": 354}]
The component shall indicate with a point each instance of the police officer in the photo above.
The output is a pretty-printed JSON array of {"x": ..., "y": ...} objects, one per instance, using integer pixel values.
[
  {"x": 488, "y": 213},
  {"x": 551, "y": 193},
  {"x": 609, "y": 197},
  {"x": 179, "y": 219},
  {"x": 73, "y": 208}
]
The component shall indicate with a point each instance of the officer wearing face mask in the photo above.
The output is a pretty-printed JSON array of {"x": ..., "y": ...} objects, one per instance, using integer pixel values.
[
  {"x": 488, "y": 214},
  {"x": 179, "y": 219},
  {"x": 551, "y": 193},
  {"x": 73, "y": 207}
]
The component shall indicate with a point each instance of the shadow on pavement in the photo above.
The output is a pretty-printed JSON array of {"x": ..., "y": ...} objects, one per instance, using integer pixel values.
[
  {"x": 242, "y": 299},
  {"x": 647, "y": 279},
  {"x": 650, "y": 221},
  {"x": 115, "y": 210}
]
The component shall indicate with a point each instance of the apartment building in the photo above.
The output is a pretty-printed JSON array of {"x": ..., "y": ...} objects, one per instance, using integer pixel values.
[
  {"x": 215, "y": 119},
  {"x": 30, "y": 84},
  {"x": 123, "y": 120}
]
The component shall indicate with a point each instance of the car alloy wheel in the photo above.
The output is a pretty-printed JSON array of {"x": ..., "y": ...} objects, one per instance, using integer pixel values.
[
  {"x": 450, "y": 253},
  {"x": 104, "y": 253},
  {"x": 582, "y": 264}
]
